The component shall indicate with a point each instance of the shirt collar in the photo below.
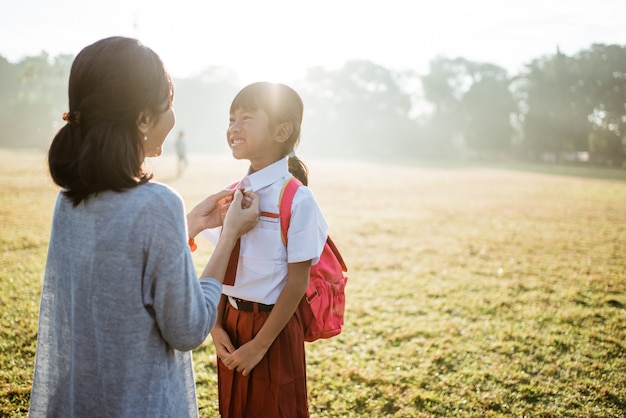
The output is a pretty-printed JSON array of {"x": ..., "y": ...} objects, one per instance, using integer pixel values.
[{"x": 268, "y": 175}]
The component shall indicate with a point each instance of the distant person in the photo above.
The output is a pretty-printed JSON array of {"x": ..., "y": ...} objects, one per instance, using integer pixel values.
[
  {"x": 259, "y": 339},
  {"x": 181, "y": 152},
  {"x": 121, "y": 305}
]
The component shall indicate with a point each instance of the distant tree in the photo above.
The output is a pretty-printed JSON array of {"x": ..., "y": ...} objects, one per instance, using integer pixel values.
[
  {"x": 488, "y": 106},
  {"x": 576, "y": 104},
  {"x": 446, "y": 83},
  {"x": 358, "y": 110},
  {"x": 36, "y": 99},
  {"x": 603, "y": 84},
  {"x": 201, "y": 103},
  {"x": 471, "y": 101},
  {"x": 552, "y": 122},
  {"x": 444, "y": 87},
  {"x": 8, "y": 94}
]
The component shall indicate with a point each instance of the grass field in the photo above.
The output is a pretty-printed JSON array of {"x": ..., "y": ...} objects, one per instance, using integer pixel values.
[{"x": 472, "y": 291}]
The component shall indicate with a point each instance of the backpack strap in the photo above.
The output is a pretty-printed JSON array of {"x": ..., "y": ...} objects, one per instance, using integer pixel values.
[{"x": 286, "y": 198}]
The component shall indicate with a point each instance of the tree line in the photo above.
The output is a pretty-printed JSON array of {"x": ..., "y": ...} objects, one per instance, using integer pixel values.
[{"x": 558, "y": 108}]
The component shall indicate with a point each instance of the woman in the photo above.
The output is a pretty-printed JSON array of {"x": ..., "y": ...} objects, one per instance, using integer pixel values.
[{"x": 121, "y": 305}]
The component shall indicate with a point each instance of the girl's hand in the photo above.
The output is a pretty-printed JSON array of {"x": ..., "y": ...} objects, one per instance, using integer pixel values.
[
  {"x": 245, "y": 358},
  {"x": 223, "y": 346}
]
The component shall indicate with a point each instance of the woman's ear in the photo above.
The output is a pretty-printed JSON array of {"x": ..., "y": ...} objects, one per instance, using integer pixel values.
[
  {"x": 283, "y": 131},
  {"x": 143, "y": 122}
]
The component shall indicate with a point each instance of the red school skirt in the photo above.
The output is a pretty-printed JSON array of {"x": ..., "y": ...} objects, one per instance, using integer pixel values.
[{"x": 276, "y": 387}]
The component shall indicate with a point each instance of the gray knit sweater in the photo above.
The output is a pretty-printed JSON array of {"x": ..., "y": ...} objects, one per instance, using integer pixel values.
[{"x": 121, "y": 308}]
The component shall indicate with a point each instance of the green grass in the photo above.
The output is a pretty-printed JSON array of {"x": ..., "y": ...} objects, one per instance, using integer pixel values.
[{"x": 472, "y": 291}]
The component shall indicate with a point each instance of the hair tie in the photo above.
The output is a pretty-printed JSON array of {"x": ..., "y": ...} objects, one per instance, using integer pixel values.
[
  {"x": 72, "y": 118},
  {"x": 292, "y": 154}
]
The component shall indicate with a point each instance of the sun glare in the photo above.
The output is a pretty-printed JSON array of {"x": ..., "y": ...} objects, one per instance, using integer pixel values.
[{"x": 279, "y": 40}]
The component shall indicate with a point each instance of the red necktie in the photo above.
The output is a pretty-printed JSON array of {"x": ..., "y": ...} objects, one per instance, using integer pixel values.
[{"x": 231, "y": 270}]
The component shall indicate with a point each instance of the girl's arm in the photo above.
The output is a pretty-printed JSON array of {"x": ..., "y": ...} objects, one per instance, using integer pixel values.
[{"x": 248, "y": 355}]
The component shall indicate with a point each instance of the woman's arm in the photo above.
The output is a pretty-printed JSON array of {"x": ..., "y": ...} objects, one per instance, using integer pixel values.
[
  {"x": 237, "y": 222},
  {"x": 185, "y": 310}
]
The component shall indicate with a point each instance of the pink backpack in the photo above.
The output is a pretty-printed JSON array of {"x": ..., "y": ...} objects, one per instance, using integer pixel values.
[{"x": 322, "y": 307}]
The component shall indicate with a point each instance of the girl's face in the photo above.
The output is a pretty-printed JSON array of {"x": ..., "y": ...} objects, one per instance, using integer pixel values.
[{"x": 250, "y": 137}]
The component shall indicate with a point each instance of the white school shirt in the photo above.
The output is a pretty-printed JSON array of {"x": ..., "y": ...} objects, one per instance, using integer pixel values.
[{"x": 263, "y": 258}]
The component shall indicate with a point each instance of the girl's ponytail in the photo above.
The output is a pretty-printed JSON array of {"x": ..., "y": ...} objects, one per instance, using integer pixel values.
[{"x": 298, "y": 169}]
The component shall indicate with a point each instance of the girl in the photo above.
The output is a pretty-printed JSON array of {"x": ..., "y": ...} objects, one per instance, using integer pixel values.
[{"x": 258, "y": 336}]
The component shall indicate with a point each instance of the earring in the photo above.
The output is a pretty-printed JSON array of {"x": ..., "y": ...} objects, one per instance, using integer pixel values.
[{"x": 145, "y": 137}]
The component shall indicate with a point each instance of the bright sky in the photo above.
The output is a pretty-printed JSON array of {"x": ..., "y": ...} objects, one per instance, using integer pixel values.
[{"x": 277, "y": 40}]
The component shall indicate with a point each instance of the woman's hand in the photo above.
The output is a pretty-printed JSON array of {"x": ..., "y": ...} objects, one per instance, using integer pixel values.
[
  {"x": 225, "y": 204},
  {"x": 238, "y": 221},
  {"x": 206, "y": 214},
  {"x": 242, "y": 214}
]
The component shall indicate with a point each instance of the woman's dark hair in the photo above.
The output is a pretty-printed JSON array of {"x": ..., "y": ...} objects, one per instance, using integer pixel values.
[
  {"x": 111, "y": 82},
  {"x": 282, "y": 104}
]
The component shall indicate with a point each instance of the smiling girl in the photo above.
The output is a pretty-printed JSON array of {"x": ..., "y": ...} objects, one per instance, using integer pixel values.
[{"x": 258, "y": 336}]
